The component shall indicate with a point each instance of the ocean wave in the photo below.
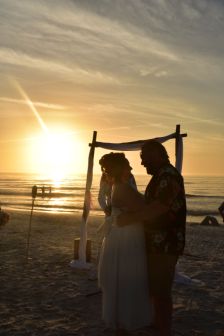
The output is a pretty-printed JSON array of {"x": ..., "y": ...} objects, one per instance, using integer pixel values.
[
  {"x": 197, "y": 212},
  {"x": 39, "y": 195},
  {"x": 80, "y": 191},
  {"x": 72, "y": 207},
  {"x": 43, "y": 206},
  {"x": 49, "y": 207},
  {"x": 204, "y": 196}
]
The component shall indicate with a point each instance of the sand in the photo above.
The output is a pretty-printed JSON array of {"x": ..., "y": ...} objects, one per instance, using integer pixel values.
[{"x": 45, "y": 296}]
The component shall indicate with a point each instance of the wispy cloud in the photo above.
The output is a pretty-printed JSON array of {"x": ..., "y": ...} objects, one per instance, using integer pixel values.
[
  {"x": 100, "y": 41},
  {"x": 73, "y": 74},
  {"x": 36, "y": 104},
  {"x": 122, "y": 66}
]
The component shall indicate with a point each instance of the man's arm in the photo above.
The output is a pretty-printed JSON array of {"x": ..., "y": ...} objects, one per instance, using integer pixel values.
[
  {"x": 166, "y": 194},
  {"x": 147, "y": 213}
]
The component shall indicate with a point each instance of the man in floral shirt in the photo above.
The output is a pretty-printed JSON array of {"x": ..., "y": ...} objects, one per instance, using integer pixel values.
[
  {"x": 167, "y": 233},
  {"x": 164, "y": 218}
]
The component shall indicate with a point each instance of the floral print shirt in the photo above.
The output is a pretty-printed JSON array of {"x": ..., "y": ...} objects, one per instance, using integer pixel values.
[{"x": 167, "y": 233}]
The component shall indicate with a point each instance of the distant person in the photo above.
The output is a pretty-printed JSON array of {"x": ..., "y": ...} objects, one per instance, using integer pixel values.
[
  {"x": 122, "y": 266},
  {"x": 221, "y": 210},
  {"x": 34, "y": 191},
  {"x": 4, "y": 217},
  {"x": 164, "y": 218},
  {"x": 43, "y": 191}
]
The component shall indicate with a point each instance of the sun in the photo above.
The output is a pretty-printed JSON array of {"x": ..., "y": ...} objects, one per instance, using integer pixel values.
[{"x": 57, "y": 154}]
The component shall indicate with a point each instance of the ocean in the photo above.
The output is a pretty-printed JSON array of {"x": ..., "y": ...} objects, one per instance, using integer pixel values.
[{"x": 204, "y": 194}]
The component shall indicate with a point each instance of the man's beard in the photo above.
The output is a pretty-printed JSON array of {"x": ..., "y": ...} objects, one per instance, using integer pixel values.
[{"x": 150, "y": 170}]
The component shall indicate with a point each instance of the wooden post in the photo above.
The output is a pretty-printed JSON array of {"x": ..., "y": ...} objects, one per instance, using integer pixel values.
[
  {"x": 88, "y": 249},
  {"x": 92, "y": 144},
  {"x": 177, "y": 140},
  {"x": 82, "y": 248},
  {"x": 89, "y": 176},
  {"x": 34, "y": 194}
]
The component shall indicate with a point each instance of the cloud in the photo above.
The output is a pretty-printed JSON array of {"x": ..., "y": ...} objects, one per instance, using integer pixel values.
[
  {"x": 162, "y": 73},
  {"x": 141, "y": 48},
  {"x": 74, "y": 41},
  {"x": 125, "y": 68},
  {"x": 74, "y": 74},
  {"x": 114, "y": 42},
  {"x": 36, "y": 104}
]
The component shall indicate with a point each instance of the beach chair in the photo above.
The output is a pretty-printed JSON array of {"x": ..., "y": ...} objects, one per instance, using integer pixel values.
[{"x": 209, "y": 220}]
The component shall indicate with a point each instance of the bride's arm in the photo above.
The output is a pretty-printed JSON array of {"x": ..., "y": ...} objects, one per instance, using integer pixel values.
[{"x": 125, "y": 196}]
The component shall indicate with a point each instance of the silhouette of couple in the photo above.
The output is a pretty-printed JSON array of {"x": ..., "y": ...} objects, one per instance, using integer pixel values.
[{"x": 143, "y": 238}]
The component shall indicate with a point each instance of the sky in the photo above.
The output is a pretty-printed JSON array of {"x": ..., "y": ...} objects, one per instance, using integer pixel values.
[{"x": 128, "y": 69}]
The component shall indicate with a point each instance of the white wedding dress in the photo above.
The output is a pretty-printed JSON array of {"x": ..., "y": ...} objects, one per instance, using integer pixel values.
[{"x": 123, "y": 276}]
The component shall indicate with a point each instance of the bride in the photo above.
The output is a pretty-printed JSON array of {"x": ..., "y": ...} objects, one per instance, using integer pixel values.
[{"x": 122, "y": 265}]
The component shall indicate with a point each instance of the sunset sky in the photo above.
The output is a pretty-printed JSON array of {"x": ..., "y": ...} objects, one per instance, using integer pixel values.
[{"x": 129, "y": 69}]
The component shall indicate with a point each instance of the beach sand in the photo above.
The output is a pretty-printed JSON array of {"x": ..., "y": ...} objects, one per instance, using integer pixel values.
[{"x": 45, "y": 296}]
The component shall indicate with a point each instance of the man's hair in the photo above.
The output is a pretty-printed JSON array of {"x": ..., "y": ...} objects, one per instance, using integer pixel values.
[{"x": 154, "y": 145}]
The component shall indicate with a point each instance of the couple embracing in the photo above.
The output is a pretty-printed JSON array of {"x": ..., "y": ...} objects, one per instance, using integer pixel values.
[{"x": 143, "y": 239}]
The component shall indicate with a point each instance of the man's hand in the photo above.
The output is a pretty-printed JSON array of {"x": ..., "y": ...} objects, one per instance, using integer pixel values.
[{"x": 126, "y": 218}]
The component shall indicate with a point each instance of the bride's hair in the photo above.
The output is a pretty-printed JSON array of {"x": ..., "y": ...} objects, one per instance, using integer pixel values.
[{"x": 114, "y": 165}]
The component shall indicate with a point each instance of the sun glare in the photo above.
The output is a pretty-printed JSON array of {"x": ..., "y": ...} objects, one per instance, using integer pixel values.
[{"x": 58, "y": 154}]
